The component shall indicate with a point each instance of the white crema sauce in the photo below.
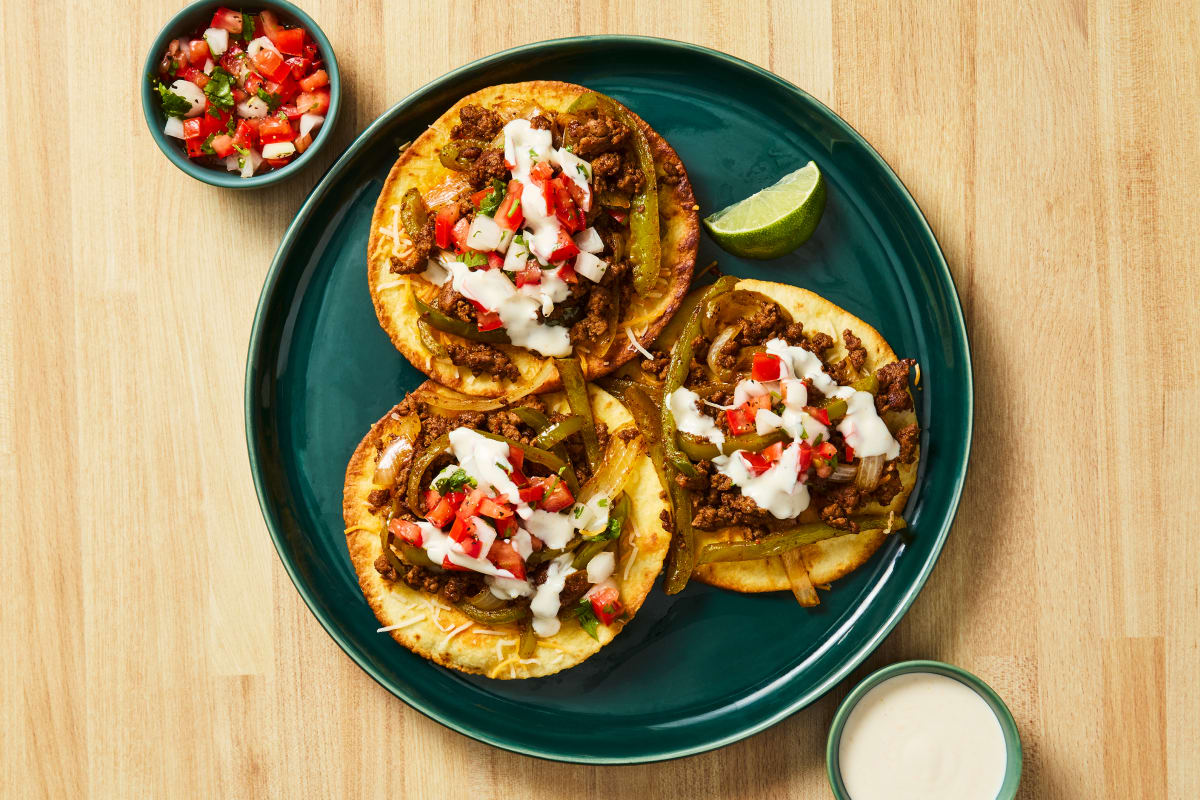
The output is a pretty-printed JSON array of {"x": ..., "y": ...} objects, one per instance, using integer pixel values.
[{"x": 922, "y": 736}]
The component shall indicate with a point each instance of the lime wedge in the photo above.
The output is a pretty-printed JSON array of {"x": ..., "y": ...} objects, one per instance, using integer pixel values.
[{"x": 773, "y": 221}]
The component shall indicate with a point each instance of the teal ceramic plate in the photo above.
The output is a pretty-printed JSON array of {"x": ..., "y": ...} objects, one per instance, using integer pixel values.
[{"x": 704, "y": 668}]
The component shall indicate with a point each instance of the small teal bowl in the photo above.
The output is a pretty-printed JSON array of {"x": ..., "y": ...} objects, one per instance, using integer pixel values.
[
  {"x": 198, "y": 15},
  {"x": 1012, "y": 739}
]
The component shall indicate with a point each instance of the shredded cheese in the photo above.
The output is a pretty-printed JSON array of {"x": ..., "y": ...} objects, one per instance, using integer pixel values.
[
  {"x": 393, "y": 231},
  {"x": 490, "y": 632},
  {"x": 629, "y": 564},
  {"x": 551, "y": 645},
  {"x": 389, "y": 285},
  {"x": 454, "y": 633},
  {"x": 638, "y": 345},
  {"x": 510, "y": 661},
  {"x": 354, "y": 528},
  {"x": 400, "y": 625}
]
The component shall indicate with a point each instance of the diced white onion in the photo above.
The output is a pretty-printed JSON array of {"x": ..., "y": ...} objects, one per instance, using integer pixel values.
[
  {"x": 589, "y": 241},
  {"x": 278, "y": 150},
  {"x": 253, "y": 108},
  {"x": 218, "y": 40},
  {"x": 484, "y": 234},
  {"x": 209, "y": 66},
  {"x": 517, "y": 257},
  {"x": 231, "y": 163},
  {"x": 601, "y": 567},
  {"x": 258, "y": 44},
  {"x": 506, "y": 237},
  {"x": 249, "y": 165},
  {"x": 192, "y": 93},
  {"x": 174, "y": 127},
  {"x": 309, "y": 123},
  {"x": 590, "y": 267}
]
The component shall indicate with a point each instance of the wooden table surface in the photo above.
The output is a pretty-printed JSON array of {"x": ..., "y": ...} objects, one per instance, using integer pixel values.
[{"x": 152, "y": 644}]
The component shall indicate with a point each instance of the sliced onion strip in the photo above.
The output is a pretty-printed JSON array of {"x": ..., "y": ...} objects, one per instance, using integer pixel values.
[
  {"x": 715, "y": 348},
  {"x": 798, "y": 579},
  {"x": 870, "y": 469},
  {"x": 615, "y": 468}
]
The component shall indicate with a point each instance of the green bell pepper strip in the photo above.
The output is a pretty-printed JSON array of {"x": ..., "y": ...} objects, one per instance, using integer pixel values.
[
  {"x": 554, "y": 433},
  {"x": 868, "y": 384},
  {"x": 420, "y": 467},
  {"x": 682, "y": 553},
  {"x": 413, "y": 213},
  {"x": 458, "y": 327},
  {"x": 645, "y": 246},
  {"x": 836, "y": 409},
  {"x": 644, "y": 411},
  {"x": 498, "y": 616},
  {"x": 539, "y": 422},
  {"x": 704, "y": 450},
  {"x": 779, "y": 543},
  {"x": 415, "y": 556},
  {"x": 681, "y": 360},
  {"x": 548, "y": 459},
  {"x": 451, "y": 153},
  {"x": 528, "y": 641},
  {"x": 589, "y": 551},
  {"x": 571, "y": 372}
]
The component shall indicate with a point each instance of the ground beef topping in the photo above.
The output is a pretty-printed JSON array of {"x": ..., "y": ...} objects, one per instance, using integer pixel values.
[
  {"x": 596, "y": 134},
  {"x": 893, "y": 386},
  {"x": 480, "y": 357},
  {"x": 477, "y": 122},
  {"x": 487, "y": 167}
]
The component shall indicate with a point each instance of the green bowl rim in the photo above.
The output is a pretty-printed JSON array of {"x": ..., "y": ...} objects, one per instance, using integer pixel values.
[
  {"x": 228, "y": 180},
  {"x": 1012, "y": 736},
  {"x": 257, "y": 334}
]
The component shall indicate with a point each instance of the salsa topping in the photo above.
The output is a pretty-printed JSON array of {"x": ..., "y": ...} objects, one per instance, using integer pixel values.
[{"x": 244, "y": 102}]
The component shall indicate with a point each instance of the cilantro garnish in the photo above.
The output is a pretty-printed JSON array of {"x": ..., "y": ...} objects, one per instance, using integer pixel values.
[
  {"x": 474, "y": 259},
  {"x": 219, "y": 88},
  {"x": 602, "y": 502},
  {"x": 578, "y": 512},
  {"x": 247, "y": 27},
  {"x": 244, "y": 152},
  {"x": 173, "y": 105},
  {"x": 533, "y": 156},
  {"x": 583, "y": 170},
  {"x": 455, "y": 481},
  {"x": 587, "y": 618},
  {"x": 272, "y": 100},
  {"x": 172, "y": 68},
  {"x": 492, "y": 200},
  {"x": 207, "y": 146}
]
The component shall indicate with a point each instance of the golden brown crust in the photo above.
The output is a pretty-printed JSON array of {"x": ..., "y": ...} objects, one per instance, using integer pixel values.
[
  {"x": 419, "y": 166},
  {"x": 832, "y": 559},
  {"x": 428, "y": 622}
]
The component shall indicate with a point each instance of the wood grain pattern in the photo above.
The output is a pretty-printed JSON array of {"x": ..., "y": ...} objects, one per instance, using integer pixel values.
[{"x": 1052, "y": 145}]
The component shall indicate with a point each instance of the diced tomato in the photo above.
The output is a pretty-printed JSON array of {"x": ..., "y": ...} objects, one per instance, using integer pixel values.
[
  {"x": 408, "y": 531},
  {"x": 268, "y": 25},
  {"x": 505, "y": 556},
  {"x": 557, "y": 496},
  {"x": 532, "y": 493},
  {"x": 310, "y": 50},
  {"x": 315, "y": 102},
  {"x": 303, "y": 143},
  {"x": 767, "y": 367},
  {"x": 564, "y": 248},
  {"x": 759, "y": 401},
  {"x": 441, "y": 513},
  {"x": 757, "y": 462},
  {"x": 253, "y": 83},
  {"x": 194, "y": 128},
  {"x": 567, "y": 272},
  {"x": 285, "y": 89},
  {"x": 516, "y": 458},
  {"x": 192, "y": 74},
  {"x": 197, "y": 52},
  {"x": 825, "y": 450},
  {"x": 222, "y": 145},
  {"x": 849, "y": 453},
  {"x": 530, "y": 274},
  {"x": 565, "y": 209},
  {"x": 270, "y": 64},
  {"x": 291, "y": 112},
  {"x": 239, "y": 94},
  {"x": 314, "y": 81},
  {"x": 740, "y": 419},
  {"x": 509, "y": 215},
  {"x": 582, "y": 197},
  {"x": 494, "y": 508},
  {"x": 495, "y": 261},
  {"x": 618, "y": 215},
  {"x": 488, "y": 321},
  {"x": 505, "y": 528},
  {"x": 471, "y": 546},
  {"x": 805, "y": 457},
  {"x": 228, "y": 19},
  {"x": 443, "y": 227},
  {"x": 478, "y": 198},
  {"x": 541, "y": 171},
  {"x": 193, "y": 147},
  {"x": 299, "y": 65},
  {"x": 606, "y": 604},
  {"x": 461, "y": 228},
  {"x": 245, "y": 135},
  {"x": 290, "y": 41},
  {"x": 231, "y": 59},
  {"x": 276, "y": 163},
  {"x": 821, "y": 415},
  {"x": 773, "y": 452},
  {"x": 448, "y": 564},
  {"x": 275, "y": 129},
  {"x": 216, "y": 123},
  {"x": 462, "y": 528}
]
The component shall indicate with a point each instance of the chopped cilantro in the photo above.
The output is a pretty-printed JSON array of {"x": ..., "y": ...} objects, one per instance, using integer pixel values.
[
  {"x": 172, "y": 68},
  {"x": 474, "y": 259},
  {"x": 611, "y": 531},
  {"x": 583, "y": 170},
  {"x": 491, "y": 201},
  {"x": 570, "y": 148},
  {"x": 231, "y": 124},
  {"x": 504, "y": 467},
  {"x": 207, "y": 146},
  {"x": 578, "y": 512},
  {"x": 587, "y": 618},
  {"x": 219, "y": 88},
  {"x": 244, "y": 152},
  {"x": 247, "y": 27},
  {"x": 602, "y": 502},
  {"x": 455, "y": 481},
  {"x": 817, "y": 441},
  {"x": 173, "y": 105},
  {"x": 533, "y": 156},
  {"x": 272, "y": 100}
]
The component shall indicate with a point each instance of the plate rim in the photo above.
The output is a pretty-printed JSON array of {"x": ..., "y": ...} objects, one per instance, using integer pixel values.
[{"x": 257, "y": 333}]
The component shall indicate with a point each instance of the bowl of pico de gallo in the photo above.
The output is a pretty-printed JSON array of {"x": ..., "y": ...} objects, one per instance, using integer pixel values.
[{"x": 241, "y": 97}]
